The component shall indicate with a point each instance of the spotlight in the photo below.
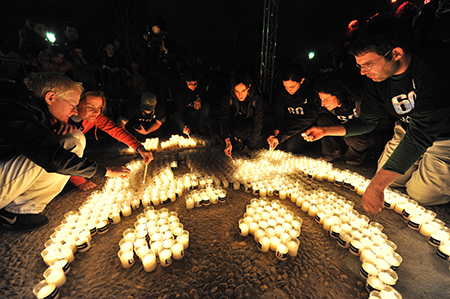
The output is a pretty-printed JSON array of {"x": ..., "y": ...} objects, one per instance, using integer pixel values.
[
  {"x": 311, "y": 55},
  {"x": 51, "y": 37}
]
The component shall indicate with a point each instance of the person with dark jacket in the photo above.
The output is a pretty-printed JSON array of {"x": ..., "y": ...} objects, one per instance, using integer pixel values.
[
  {"x": 33, "y": 38},
  {"x": 408, "y": 87},
  {"x": 342, "y": 105},
  {"x": 294, "y": 110},
  {"x": 192, "y": 107},
  {"x": 36, "y": 163},
  {"x": 241, "y": 116}
]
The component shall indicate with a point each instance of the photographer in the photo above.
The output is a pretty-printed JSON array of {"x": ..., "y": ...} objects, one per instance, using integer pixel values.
[{"x": 143, "y": 119}]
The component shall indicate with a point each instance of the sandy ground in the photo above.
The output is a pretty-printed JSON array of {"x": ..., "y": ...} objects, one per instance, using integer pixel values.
[{"x": 219, "y": 262}]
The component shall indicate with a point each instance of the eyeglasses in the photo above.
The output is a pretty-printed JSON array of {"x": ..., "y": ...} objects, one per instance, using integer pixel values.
[
  {"x": 369, "y": 67},
  {"x": 73, "y": 106}
]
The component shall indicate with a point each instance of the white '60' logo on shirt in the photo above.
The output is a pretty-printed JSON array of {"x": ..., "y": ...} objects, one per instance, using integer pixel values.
[{"x": 403, "y": 103}]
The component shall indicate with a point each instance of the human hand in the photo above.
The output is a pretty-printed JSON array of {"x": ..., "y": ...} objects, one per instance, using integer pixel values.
[
  {"x": 140, "y": 129},
  {"x": 197, "y": 104},
  {"x": 313, "y": 134},
  {"x": 118, "y": 171},
  {"x": 273, "y": 142},
  {"x": 186, "y": 130},
  {"x": 373, "y": 199},
  {"x": 148, "y": 156},
  {"x": 86, "y": 186},
  {"x": 62, "y": 128}
]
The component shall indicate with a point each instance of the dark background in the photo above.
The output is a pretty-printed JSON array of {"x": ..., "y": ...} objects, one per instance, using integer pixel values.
[{"x": 225, "y": 33}]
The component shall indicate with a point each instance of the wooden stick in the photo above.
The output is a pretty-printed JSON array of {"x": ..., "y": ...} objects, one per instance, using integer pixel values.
[{"x": 145, "y": 172}]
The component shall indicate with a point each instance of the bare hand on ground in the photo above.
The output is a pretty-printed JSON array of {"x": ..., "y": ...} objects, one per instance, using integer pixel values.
[
  {"x": 120, "y": 171},
  {"x": 86, "y": 186}
]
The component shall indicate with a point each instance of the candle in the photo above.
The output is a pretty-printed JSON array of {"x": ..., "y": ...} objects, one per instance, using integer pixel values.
[
  {"x": 293, "y": 245},
  {"x": 177, "y": 251},
  {"x": 394, "y": 259},
  {"x": 243, "y": 228},
  {"x": 63, "y": 264},
  {"x": 344, "y": 239},
  {"x": 149, "y": 261},
  {"x": 368, "y": 268},
  {"x": 259, "y": 233},
  {"x": 444, "y": 250},
  {"x": 429, "y": 227},
  {"x": 55, "y": 275},
  {"x": 373, "y": 284},
  {"x": 45, "y": 290},
  {"x": 264, "y": 244},
  {"x": 263, "y": 191},
  {"x": 355, "y": 246},
  {"x": 283, "y": 194},
  {"x": 126, "y": 209},
  {"x": 439, "y": 235},
  {"x": 388, "y": 292},
  {"x": 282, "y": 251},
  {"x": 388, "y": 277},
  {"x": 253, "y": 227},
  {"x": 126, "y": 258},
  {"x": 367, "y": 253},
  {"x": 183, "y": 238},
  {"x": 82, "y": 241},
  {"x": 165, "y": 257},
  {"x": 274, "y": 241}
]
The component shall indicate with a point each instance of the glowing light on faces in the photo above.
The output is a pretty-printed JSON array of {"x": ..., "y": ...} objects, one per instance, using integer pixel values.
[
  {"x": 329, "y": 101},
  {"x": 192, "y": 85},
  {"x": 90, "y": 108},
  {"x": 241, "y": 91},
  {"x": 292, "y": 86},
  {"x": 110, "y": 50}
]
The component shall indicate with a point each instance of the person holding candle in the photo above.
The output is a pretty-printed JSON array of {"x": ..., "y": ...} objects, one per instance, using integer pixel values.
[
  {"x": 143, "y": 119},
  {"x": 342, "y": 105},
  {"x": 406, "y": 86},
  {"x": 36, "y": 162},
  {"x": 241, "y": 116},
  {"x": 295, "y": 110},
  {"x": 90, "y": 115}
]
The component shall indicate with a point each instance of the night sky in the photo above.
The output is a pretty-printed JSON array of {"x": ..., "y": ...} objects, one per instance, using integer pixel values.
[{"x": 222, "y": 32}]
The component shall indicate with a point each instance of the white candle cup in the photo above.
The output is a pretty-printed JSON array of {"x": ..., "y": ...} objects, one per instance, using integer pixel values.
[
  {"x": 82, "y": 242},
  {"x": 368, "y": 268},
  {"x": 125, "y": 245},
  {"x": 126, "y": 209},
  {"x": 177, "y": 251},
  {"x": 142, "y": 251},
  {"x": 243, "y": 228},
  {"x": 264, "y": 244},
  {"x": 55, "y": 276},
  {"x": 165, "y": 257},
  {"x": 293, "y": 245},
  {"x": 183, "y": 238},
  {"x": 297, "y": 222},
  {"x": 66, "y": 252},
  {"x": 305, "y": 206},
  {"x": 129, "y": 234},
  {"x": 126, "y": 258},
  {"x": 375, "y": 227},
  {"x": 62, "y": 263},
  {"x": 45, "y": 290},
  {"x": 149, "y": 261},
  {"x": 49, "y": 255},
  {"x": 394, "y": 259},
  {"x": 367, "y": 253},
  {"x": 444, "y": 250},
  {"x": 388, "y": 292},
  {"x": 102, "y": 226},
  {"x": 429, "y": 227},
  {"x": 373, "y": 283},
  {"x": 438, "y": 236},
  {"x": 344, "y": 239},
  {"x": 115, "y": 217},
  {"x": 388, "y": 277},
  {"x": 274, "y": 241},
  {"x": 281, "y": 251},
  {"x": 355, "y": 246},
  {"x": 259, "y": 233},
  {"x": 253, "y": 227},
  {"x": 378, "y": 238}
]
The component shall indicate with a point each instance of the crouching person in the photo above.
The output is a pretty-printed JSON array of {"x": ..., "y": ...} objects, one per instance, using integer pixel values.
[{"x": 35, "y": 162}]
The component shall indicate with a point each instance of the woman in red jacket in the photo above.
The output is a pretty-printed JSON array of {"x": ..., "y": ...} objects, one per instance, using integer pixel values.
[{"x": 90, "y": 108}]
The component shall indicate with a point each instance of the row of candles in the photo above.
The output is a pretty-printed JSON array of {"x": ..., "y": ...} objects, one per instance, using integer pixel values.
[
  {"x": 273, "y": 226},
  {"x": 156, "y": 234}
]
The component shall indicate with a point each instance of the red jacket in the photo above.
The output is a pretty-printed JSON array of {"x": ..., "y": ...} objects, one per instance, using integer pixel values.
[{"x": 105, "y": 124}]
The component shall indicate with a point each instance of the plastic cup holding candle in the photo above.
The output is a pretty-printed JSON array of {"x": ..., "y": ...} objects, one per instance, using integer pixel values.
[
  {"x": 49, "y": 255},
  {"x": 55, "y": 275},
  {"x": 367, "y": 253},
  {"x": 429, "y": 227},
  {"x": 45, "y": 290},
  {"x": 274, "y": 241},
  {"x": 394, "y": 259},
  {"x": 149, "y": 261},
  {"x": 165, "y": 256},
  {"x": 439, "y": 235},
  {"x": 344, "y": 239},
  {"x": 82, "y": 241},
  {"x": 293, "y": 245},
  {"x": 373, "y": 283},
  {"x": 281, "y": 251},
  {"x": 444, "y": 250},
  {"x": 388, "y": 292},
  {"x": 126, "y": 258},
  {"x": 243, "y": 228},
  {"x": 177, "y": 250},
  {"x": 388, "y": 277},
  {"x": 129, "y": 234},
  {"x": 264, "y": 244},
  {"x": 368, "y": 268},
  {"x": 183, "y": 238},
  {"x": 62, "y": 263},
  {"x": 355, "y": 246}
]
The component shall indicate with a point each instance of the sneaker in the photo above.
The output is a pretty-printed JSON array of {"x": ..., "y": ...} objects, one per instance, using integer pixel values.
[
  {"x": 358, "y": 161},
  {"x": 22, "y": 221},
  {"x": 333, "y": 156}
]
